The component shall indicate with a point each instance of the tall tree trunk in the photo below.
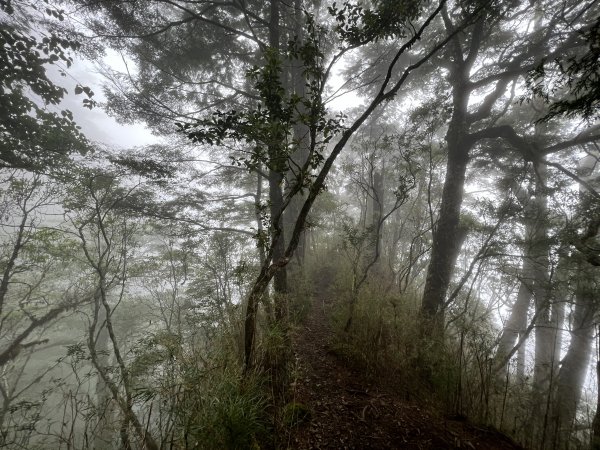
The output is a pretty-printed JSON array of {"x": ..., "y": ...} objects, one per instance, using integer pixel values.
[
  {"x": 547, "y": 316},
  {"x": 574, "y": 365},
  {"x": 301, "y": 132},
  {"x": 448, "y": 235},
  {"x": 544, "y": 342},
  {"x": 276, "y": 165},
  {"x": 277, "y": 159}
]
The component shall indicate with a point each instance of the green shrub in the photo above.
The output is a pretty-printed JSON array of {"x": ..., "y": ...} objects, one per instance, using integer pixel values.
[{"x": 223, "y": 413}]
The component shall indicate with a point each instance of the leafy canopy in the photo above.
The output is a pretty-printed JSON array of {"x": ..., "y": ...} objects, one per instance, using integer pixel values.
[{"x": 31, "y": 135}]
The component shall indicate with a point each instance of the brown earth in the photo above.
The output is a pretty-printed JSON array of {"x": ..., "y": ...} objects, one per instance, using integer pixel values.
[{"x": 347, "y": 411}]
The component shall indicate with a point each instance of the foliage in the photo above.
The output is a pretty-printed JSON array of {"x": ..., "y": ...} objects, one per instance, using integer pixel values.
[
  {"x": 357, "y": 25},
  {"x": 33, "y": 137},
  {"x": 218, "y": 412},
  {"x": 574, "y": 90},
  {"x": 148, "y": 253},
  {"x": 268, "y": 125}
]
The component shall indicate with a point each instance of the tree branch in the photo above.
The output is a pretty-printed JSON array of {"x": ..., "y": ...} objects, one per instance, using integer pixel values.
[{"x": 15, "y": 347}]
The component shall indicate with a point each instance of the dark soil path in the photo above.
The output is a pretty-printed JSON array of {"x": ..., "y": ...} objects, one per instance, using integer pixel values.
[{"x": 349, "y": 412}]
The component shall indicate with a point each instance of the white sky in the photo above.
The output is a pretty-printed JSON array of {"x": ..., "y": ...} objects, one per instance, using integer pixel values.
[{"x": 95, "y": 123}]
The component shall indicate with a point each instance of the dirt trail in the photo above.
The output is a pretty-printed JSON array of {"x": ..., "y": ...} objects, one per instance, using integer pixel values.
[{"x": 348, "y": 412}]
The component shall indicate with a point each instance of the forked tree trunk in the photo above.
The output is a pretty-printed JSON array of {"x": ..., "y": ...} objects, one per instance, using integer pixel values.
[{"x": 447, "y": 235}]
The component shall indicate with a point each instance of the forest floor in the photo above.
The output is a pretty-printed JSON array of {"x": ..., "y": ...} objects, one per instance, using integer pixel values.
[{"x": 350, "y": 411}]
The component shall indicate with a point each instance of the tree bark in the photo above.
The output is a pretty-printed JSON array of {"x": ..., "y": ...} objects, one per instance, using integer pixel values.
[
  {"x": 544, "y": 329},
  {"x": 376, "y": 217},
  {"x": 448, "y": 236},
  {"x": 574, "y": 365},
  {"x": 301, "y": 133},
  {"x": 517, "y": 322},
  {"x": 277, "y": 160},
  {"x": 105, "y": 431},
  {"x": 278, "y": 237}
]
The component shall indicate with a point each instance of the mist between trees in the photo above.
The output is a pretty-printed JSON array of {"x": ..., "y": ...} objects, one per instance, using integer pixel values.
[{"x": 449, "y": 216}]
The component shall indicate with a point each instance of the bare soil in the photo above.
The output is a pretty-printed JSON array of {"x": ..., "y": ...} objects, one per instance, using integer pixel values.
[{"x": 349, "y": 411}]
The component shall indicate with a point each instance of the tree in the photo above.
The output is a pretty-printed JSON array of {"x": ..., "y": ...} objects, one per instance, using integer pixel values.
[
  {"x": 167, "y": 88},
  {"x": 569, "y": 83},
  {"x": 378, "y": 170},
  {"x": 471, "y": 124},
  {"x": 106, "y": 242},
  {"x": 353, "y": 33},
  {"x": 36, "y": 293},
  {"x": 34, "y": 137}
]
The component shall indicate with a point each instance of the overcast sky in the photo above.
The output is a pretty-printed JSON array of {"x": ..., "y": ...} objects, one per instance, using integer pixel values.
[{"x": 96, "y": 124}]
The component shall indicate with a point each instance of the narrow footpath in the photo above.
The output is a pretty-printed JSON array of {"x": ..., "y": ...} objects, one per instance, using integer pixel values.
[{"x": 349, "y": 412}]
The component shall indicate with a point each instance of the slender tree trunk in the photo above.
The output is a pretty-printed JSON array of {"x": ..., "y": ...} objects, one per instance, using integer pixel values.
[
  {"x": 544, "y": 330},
  {"x": 262, "y": 256},
  {"x": 516, "y": 325},
  {"x": 105, "y": 427},
  {"x": 259, "y": 219},
  {"x": 258, "y": 290},
  {"x": 277, "y": 160}
]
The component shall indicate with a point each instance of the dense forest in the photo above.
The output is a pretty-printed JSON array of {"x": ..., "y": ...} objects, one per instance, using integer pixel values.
[{"x": 358, "y": 224}]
